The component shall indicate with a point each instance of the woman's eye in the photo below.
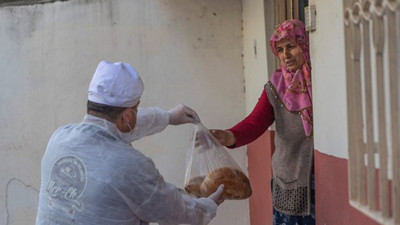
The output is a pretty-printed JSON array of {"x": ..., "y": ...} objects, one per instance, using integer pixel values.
[{"x": 279, "y": 50}]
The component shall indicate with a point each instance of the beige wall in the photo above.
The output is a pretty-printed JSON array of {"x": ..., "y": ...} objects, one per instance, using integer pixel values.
[
  {"x": 329, "y": 79},
  {"x": 258, "y": 25},
  {"x": 186, "y": 52}
]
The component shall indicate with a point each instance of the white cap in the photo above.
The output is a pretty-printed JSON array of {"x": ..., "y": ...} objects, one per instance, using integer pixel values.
[{"x": 115, "y": 84}]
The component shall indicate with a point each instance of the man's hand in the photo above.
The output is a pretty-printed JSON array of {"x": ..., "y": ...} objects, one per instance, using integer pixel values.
[
  {"x": 216, "y": 196},
  {"x": 181, "y": 114},
  {"x": 225, "y": 137}
]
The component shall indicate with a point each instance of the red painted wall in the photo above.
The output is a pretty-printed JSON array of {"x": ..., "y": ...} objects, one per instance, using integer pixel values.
[
  {"x": 331, "y": 184},
  {"x": 260, "y": 174},
  {"x": 331, "y": 193}
]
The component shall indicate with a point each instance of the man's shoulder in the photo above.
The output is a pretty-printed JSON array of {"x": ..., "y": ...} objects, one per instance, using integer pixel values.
[
  {"x": 65, "y": 127},
  {"x": 131, "y": 155}
]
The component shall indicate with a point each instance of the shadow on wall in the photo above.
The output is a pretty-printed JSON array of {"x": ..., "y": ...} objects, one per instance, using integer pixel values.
[{"x": 21, "y": 199}]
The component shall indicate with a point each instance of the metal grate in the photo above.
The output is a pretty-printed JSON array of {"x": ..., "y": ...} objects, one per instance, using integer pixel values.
[{"x": 372, "y": 35}]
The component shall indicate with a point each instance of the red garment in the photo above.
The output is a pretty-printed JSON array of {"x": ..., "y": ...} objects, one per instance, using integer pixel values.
[{"x": 255, "y": 124}]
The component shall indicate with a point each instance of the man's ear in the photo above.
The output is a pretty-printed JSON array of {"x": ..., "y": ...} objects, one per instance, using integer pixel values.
[
  {"x": 125, "y": 115},
  {"x": 122, "y": 120}
]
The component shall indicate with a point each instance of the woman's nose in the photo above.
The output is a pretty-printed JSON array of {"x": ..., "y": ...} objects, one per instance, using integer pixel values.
[{"x": 286, "y": 52}]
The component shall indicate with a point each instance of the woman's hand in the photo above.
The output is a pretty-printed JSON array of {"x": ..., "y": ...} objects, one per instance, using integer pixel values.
[{"x": 225, "y": 137}]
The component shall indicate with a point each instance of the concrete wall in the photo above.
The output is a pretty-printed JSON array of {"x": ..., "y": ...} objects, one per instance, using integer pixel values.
[
  {"x": 330, "y": 119},
  {"x": 186, "y": 52},
  {"x": 258, "y": 24},
  {"x": 329, "y": 79},
  {"x": 255, "y": 48}
]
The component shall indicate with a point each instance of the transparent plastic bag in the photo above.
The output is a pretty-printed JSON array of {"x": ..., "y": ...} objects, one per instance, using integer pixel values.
[{"x": 209, "y": 165}]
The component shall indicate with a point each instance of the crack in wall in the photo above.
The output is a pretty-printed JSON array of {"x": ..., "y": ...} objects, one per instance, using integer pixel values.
[
  {"x": 26, "y": 2},
  {"x": 6, "y": 197}
]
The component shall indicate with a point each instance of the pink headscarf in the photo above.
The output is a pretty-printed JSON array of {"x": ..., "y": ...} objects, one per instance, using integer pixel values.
[{"x": 294, "y": 88}]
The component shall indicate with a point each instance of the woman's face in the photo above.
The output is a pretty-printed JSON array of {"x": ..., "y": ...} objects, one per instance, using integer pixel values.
[{"x": 290, "y": 54}]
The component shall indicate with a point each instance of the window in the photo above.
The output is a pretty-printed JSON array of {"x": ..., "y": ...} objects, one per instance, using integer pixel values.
[
  {"x": 289, "y": 9},
  {"x": 372, "y": 31}
]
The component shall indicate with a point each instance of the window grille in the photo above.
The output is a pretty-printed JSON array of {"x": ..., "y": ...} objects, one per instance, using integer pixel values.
[{"x": 372, "y": 39}]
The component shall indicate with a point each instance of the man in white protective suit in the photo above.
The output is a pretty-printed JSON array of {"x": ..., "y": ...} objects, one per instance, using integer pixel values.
[{"x": 91, "y": 174}]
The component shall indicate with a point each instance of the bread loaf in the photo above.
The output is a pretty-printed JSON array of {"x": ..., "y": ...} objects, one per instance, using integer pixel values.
[
  {"x": 236, "y": 183},
  {"x": 193, "y": 186}
]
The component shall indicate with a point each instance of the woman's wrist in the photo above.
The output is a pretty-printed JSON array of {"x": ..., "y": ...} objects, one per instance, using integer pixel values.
[{"x": 231, "y": 140}]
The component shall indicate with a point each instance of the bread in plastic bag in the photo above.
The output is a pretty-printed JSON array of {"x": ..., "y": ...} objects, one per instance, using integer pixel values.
[{"x": 209, "y": 165}]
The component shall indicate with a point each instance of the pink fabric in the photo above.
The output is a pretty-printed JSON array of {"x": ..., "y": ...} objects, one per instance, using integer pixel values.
[{"x": 294, "y": 88}]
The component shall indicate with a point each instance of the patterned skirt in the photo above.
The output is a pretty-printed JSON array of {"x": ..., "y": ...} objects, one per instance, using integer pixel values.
[{"x": 284, "y": 219}]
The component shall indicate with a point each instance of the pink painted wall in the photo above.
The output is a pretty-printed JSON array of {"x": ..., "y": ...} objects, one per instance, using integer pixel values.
[
  {"x": 260, "y": 174},
  {"x": 331, "y": 184},
  {"x": 331, "y": 193}
]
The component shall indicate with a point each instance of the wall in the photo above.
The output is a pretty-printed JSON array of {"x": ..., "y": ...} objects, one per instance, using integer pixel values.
[
  {"x": 329, "y": 79},
  {"x": 260, "y": 175},
  {"x": 186, "y": 52},
  {"x": 258, "y": 24},
  {"x": 330, "y": 119},
  {"x": 331, "y": 193}
]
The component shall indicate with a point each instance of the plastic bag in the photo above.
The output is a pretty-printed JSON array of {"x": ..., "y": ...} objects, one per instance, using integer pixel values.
[{"x": 209, "y": 165}]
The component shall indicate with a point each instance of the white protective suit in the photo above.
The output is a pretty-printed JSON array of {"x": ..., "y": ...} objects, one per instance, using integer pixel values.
[{"x": 90, "y": 176}]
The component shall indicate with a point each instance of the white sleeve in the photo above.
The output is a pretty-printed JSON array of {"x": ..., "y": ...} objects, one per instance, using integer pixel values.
[
  {"x": 192, "y": 211},
  {"x": 149, "y": 121},
  {"x": 169, "y": 206},
  {"x": 153, "y": 200}
]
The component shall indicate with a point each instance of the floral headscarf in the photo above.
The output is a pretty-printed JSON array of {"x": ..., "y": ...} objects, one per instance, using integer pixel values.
[{"x": 294, "y": 88}]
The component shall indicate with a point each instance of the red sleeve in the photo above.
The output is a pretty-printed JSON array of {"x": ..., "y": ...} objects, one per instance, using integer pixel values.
[{"x": 255, "y": 124}]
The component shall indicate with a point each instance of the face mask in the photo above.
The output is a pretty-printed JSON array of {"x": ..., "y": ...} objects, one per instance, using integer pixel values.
[{"x": 127, "y": 137}]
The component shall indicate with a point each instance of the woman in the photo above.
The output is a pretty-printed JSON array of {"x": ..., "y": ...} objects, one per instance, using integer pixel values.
[{"x": 287, "y": 100}]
